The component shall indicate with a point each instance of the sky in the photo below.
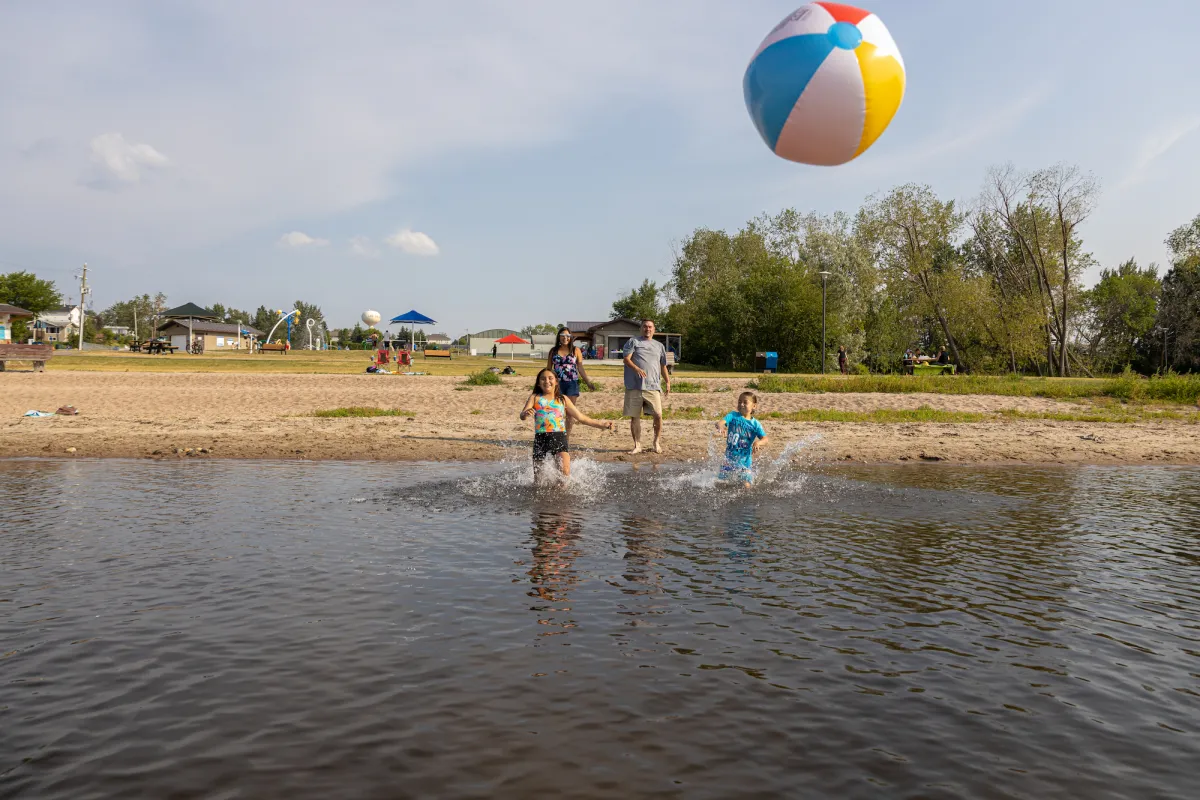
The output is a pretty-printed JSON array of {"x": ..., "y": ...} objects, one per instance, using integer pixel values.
[{"x": 499, "y": 164}]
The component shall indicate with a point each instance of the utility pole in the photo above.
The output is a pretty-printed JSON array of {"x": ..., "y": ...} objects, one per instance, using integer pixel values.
[{"x": 83, "y": 293}]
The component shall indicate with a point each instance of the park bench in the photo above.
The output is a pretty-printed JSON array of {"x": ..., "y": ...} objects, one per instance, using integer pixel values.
[
  {"x": 435, "y": 353},
  {"x": 37, "y": 353},
  {"x": 271, "y": 347}
]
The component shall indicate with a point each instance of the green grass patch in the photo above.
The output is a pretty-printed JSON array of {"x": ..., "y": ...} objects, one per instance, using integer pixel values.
[
  {"x": 364, "y": 411},
  {"x": 690, "y": 412},
  {"x": 1127, "y": 387},
  {"x": 483, "y": 378},
  {"x": 686, "y": 387},
  {"x": 879, "y": 415}
]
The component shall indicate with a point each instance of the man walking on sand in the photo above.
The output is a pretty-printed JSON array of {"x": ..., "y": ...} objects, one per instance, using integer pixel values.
[{"x": 646, "y": 382}]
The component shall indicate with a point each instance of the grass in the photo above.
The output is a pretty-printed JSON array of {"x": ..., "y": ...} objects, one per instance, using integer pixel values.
[
  {"x": 880, "y": 415},
  {"x": 686, "y": 387},
  {"x": 483, "y": 378},
  {"x": 364, "y": 411},
  {"x": 1127, "y": 387}
]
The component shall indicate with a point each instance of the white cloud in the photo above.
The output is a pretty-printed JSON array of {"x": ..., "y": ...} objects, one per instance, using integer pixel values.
[
  {"x": 298, "y": 239},
  {"x": 123, "y": 160},
  {"x": 1156, "y": 144},
  {"x": 413, "y": 242},
  {"x": 361, "y": 246}
]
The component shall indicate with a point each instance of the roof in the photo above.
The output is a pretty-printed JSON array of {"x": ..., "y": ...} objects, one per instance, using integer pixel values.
[
  {"x": 512, "y": 338},
  {"x": 414, "y": 317},
  {"x": 438, "y": 337},
  {"x": 492, "y": 333},
  {"x": 203, "y": 326},
  {"x": 14, "y": 311},
  {"x": 579, "y": 327},
  {"x": 189, "y": 310}
]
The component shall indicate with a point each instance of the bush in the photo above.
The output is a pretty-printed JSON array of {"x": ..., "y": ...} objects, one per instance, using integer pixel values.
[
  {"x": 686, "y": 387},
  {"x": 483, "y": 378},
  {"x": 859, "y": 369}
]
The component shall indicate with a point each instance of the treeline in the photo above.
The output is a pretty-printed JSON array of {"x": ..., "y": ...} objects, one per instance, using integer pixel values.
[{"x": 998, "y": 283}]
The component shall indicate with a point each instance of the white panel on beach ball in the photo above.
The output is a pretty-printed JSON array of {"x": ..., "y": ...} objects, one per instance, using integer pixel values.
[{"x": 370, "y": 317}]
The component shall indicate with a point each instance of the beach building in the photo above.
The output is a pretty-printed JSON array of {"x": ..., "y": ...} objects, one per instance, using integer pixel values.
[
  {"x": 7, "y": 315},
  {"x": 610, "y": 336},
  {"x": 439, "y": 340},
  {"x": 57, "y": 324},
  {"x": 214, "y": 335}
]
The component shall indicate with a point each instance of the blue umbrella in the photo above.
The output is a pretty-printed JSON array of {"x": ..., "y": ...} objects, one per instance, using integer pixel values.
[{"x": 413, "y": 318}]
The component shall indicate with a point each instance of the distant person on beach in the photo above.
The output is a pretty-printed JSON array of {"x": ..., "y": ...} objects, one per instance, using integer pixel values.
[
  {"x": 567, "y": 362},
  {"x": 646, "y": 381},
  {"x": 551, "y": 410},
  {"x": 842, "y": 365},
  {"x": 493, "y": 351},
  {"x": 744, "y": 437}
]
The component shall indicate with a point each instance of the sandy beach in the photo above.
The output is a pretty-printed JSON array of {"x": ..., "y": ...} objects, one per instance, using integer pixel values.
[{"x": 163, "y": 415}]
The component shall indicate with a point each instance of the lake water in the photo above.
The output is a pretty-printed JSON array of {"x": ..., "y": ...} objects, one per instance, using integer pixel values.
[{"x": 312, "y": 630}]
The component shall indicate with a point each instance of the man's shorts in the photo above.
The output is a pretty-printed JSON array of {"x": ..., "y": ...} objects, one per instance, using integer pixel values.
[
  {"x": 639, "y": 401},
  {"x": 549, "y": 444}
]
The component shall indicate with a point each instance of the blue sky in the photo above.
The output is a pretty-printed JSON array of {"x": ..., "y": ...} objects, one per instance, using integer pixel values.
[{"x": 498, "y": 164}]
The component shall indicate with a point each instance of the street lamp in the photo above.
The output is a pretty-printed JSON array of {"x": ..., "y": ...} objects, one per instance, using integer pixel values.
[{"x": 824, "y": 277}]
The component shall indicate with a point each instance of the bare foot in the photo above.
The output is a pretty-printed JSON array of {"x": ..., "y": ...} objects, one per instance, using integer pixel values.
[
  {"x": 657, "y": 446},
  {"x": 637, "y": 448}
]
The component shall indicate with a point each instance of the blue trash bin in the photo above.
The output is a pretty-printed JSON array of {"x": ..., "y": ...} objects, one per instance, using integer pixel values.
[{"x": 772, "y": 360}]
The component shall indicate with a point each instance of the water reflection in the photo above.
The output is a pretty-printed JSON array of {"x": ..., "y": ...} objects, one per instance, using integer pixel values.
[{"x": 332, "y": 630}]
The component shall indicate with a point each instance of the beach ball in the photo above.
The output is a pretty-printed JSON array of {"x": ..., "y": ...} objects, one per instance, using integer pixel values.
[
  {"x": 370, "y": 317},
  {"x": 824, "y": 84}
]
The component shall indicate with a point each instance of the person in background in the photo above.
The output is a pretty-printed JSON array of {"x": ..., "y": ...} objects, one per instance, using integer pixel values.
[
  {"x": 567, "y": 362},
  {"x": 646, "y": 382},
  {"x": 842, "y": 365},
  {"x": 493, "y": 351},
  {"x": 942, "y": 356}
]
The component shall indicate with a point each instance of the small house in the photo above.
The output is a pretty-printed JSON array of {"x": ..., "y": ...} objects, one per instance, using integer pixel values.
[
  {"x": 57, "y": 324},
  {"x": 7, "y": 315},
  {"x": 609, "y": 338}
]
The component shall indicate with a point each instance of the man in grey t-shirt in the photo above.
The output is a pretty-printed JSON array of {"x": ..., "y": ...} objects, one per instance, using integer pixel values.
[{"x": 646, "y": 381}]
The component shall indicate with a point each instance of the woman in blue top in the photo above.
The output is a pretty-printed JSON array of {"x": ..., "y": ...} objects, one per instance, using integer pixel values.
[
  {"x": 744, "y": 437},
  {"x": 567, "y": 363}
]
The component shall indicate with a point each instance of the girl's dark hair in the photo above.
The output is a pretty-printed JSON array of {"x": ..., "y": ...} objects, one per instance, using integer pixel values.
[
  {"x": 570, "y": 344},
  {"x": 753, "y": 399},
  {"x": 537, "y": 384}
]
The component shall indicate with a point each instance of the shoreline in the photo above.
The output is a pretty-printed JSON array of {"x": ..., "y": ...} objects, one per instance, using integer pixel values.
[{"x": 256, "y": 416}]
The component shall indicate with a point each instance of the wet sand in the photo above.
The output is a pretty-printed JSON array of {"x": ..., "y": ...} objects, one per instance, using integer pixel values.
[{"x": 162, "y": 415}]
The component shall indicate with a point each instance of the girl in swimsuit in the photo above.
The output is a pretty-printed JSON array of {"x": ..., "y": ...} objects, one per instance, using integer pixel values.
[
  {"x": 567, "y": 362},
  {"x": 551, "y": 410}
]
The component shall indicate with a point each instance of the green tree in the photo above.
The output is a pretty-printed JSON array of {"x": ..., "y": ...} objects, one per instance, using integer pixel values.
[
  {"x": 1122, "y": 307},
  {"x": 300, "y": 334},
  {"x": 912, "y": 235},
  {"x": 640, "y": 303},
  {"x": 139, "y": 314},
  {"x": 1176, "y": 336},
  {"x": 539, "y": 330},
  {"x": 28, "y": 291}
]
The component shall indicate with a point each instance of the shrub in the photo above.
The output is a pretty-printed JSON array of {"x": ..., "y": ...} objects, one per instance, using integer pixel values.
[{"x": 483, "y": 378}]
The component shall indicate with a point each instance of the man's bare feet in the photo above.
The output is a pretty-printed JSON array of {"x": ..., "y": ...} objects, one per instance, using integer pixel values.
[
  {"x": 637, "y": 448},
  {"x": 657, "y": 446}
]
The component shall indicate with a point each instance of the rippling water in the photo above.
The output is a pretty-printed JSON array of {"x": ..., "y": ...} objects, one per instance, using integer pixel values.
[{"x": 221, "y": 629}]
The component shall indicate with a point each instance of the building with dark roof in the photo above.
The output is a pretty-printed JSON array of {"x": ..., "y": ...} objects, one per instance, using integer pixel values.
[{"x": 214, "y": 335}]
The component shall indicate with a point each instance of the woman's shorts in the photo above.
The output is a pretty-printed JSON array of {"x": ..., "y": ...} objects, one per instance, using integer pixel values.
[
  {"x": 549, "y": 444},
  {"x": 569, "y": 388}
]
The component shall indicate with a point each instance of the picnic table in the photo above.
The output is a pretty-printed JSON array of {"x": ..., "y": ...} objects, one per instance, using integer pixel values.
[
  {"x": 153, "y": 347},
  {"x": 930, "y": 368}
]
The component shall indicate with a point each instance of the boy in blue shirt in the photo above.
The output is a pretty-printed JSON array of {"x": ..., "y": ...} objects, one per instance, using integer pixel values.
[{"x": 744, "y": 437}]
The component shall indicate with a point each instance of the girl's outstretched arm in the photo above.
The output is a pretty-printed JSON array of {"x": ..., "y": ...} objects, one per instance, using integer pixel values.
[
  {"x": 528, "y": 406},
  {"x": 583, "y": 372},
  {"x": 577, "y": 415}
]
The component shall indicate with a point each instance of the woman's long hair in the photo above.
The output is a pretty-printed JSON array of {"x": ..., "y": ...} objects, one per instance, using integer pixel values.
[
  {"x": 570, "y": 344},
  {"x": 537, "y": 384}
]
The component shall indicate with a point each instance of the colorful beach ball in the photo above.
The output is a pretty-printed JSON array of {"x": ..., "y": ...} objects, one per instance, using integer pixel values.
[{"x": 824, "y": 84}]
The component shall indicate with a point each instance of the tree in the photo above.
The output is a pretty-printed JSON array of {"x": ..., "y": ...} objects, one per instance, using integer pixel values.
[
  {"x": 1122, "y": 308},
  {"x": 1177, "y": 329},
  {"x": 1043, "y": 211},
  {"x": 264, "y": 319},
  {"x": 912, "y": 235},
  {"x": 300, "y": 335},
  {"x": 539, "y": 330},
  {"x": 139, "y": 314},
  {"x": 640, "y": 303},
  {"x": 28, "y": 291}
]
